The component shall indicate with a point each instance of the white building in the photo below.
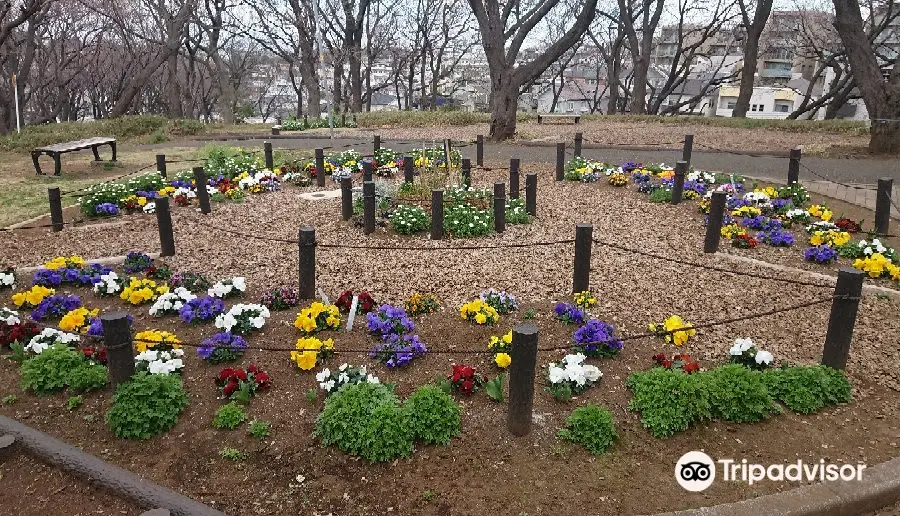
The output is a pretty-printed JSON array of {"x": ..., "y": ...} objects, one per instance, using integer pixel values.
[{"x": 770, "y": 102}]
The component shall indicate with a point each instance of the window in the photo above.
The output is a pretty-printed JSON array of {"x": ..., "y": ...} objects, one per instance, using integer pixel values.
[
  {"x": 782, "y": 108},
  {"x": 571, "y": 106},
  {"x": 728, "y": 104},
  {"x": 776, "y": 66}
]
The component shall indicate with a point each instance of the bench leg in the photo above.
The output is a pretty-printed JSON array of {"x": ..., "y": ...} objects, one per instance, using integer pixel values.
[
  {"x": 96, "y": 154},
  {"x": 37, "y": 164},
  {"x": 113, "y": 147},
  {"x": 57, "y": 169}
]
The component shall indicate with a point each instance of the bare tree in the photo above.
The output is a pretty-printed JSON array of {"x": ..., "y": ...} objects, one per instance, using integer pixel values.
[
  {"x": 640, "y": 16},
  {"x": 504, "y": 27},
  {"x": 879, "y": 88},
  {"x": 14, "y": 15},
  {"x": 754, "y": 29}
]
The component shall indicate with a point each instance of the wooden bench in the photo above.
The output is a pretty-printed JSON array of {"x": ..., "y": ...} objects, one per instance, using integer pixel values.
[
  {"x": 541, "y": 118},
  {"x": 54, "y": 151}
]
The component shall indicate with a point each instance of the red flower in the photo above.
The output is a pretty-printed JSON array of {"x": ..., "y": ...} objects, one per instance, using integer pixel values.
[
  {"x": 667, "y": 364},
  {"x": 240, "y": 374},
  {"x": 224, "y": 374},
  {"x": 659, "y": 358},
  {"x": 466, "y": 387},
  {"x": 230, "y": 388},
  {"x": 262, "y": 380},
  {"x": 468, "y": 371},
  {"x": 691, "y": 367},
  {"x": 252, "y": 369}
]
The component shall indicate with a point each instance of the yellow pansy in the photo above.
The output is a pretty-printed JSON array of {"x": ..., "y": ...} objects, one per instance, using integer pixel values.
[
  {"x": 480, "y": 318},
  {"x": 33, "y": 296},
  {"x": 502, "y": 360}
]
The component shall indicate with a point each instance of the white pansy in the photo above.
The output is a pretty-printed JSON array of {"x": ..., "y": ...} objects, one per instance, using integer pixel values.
[
  {"x": 322, "y": 375},
  {"x": 764, "y": 357},
  {"x": 741, "y": 345},
  {"x": 7, "y": 279},
  {"x": 556, "y": 374},
  {"x": 9, "y": 317},
  {"x": 239, "y": 283},
  {"x": 343, "y": 366},
  {"x": 592, "y": 373},
  {"x": 372, "y": 379},
  {"x": 343, "y": 378},
  {"x": 49, "y": 337},
  {"x": 328, "y": 385},
  {"x": 253, "y": 314}
]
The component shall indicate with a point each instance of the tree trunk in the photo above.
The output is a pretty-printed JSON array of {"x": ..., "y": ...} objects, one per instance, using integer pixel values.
[
  {"x": 355, "y": 81},
  {"x": 639, "y": 88},
  {"x": 884, "y": 137},
  {"x": 504, "y": 104},
  {"x": 612, "y": 79},
  {"x": 173, "y": 92},
  {"x": 748, "y": 74}
]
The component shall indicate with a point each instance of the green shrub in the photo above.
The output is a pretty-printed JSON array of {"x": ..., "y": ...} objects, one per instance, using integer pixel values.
[
  {"x": 58, "y": 367},
  {"x": 74, "y": 402},
  {"x": 366, "y": 420},
  {"x": 407, "y": 220},
  {"x": 433, "y": 414},
  {"x": 592, "y": 427},
  {"x": 807, "y": 389},
  {"x": 147, "y": 405},
  {"x": 737, "y": 394},
  {"x": 229, "y": 417},
  {"x": 515, "y": 212},
  {"x": 465, "y": 220},
  {"x": 661, "y": 195},
  {"x": 259, "y": 429},
  {"x": 669, "y": 401},
  {"x": 187, "y": 127},
  {"x": 232, "y": 454}
]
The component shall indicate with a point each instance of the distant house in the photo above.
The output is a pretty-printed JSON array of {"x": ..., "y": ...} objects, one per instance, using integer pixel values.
[
  {"x": 770, "y": 102},
  {"x": 384, "y": 102},
  {"x": 572, "y": 100}
]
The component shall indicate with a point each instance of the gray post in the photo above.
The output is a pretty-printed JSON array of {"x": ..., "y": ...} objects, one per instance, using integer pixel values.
[
  {"x": 276, "y": 131},
  {"x": 531, "y": 194},
  {"x": 368, "y": 207},
  {"x": 883, "y": 205},
  {"x": 678, "y": 185},
  {"x": 409, "y": 172},
  {"x": 320, "y": 167},
  {"x": 581, "y": 277},
  {"x": 479, "y": 150},
  {"x": 270, "y": 159},
  {"x": 56, "y": 213},
  {"x": 688, "y": 149},
  {"x": 376, "y": 144},
  {"x": 560, "y": 160},
  {"x": 521, "y": 378},
  {"x": 467, "y": 172},
  {"x": 161, "y": 165},
  {"x": 202, "y": 194},
  {"x": 367, "y": 170},
  {"x": 119, "y": 347},
  {"x": 514, "y": 178},
  {"x": 844, "y": 307},
  {"x": 714, "y": 224},
  {"x": 307, "y": 262},
  {"x": 499, "y": 207},
  {"x": 447, "y": 150},
  {"x": 306, "y": 121},
  {"x": 346, "y": 198},
  {"x": 164, "y": 224},
  {"x": 794, "y": 166},
  {"x": 578, "y": 139},
  {"x": 437, "y": 214}
]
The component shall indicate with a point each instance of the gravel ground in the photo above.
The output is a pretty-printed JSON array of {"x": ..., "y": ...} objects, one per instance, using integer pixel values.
[{"x": 633, "y": 290}]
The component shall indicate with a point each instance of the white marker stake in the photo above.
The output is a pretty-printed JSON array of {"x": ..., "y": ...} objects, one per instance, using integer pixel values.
[
  {"x": 352, "y": 312},
  {"x": 324, "y": 297}
]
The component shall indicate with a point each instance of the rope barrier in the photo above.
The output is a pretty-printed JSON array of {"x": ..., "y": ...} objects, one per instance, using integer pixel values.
[
  {"x": 43, "y": 226},
  {"x": 612, "y": 144}
]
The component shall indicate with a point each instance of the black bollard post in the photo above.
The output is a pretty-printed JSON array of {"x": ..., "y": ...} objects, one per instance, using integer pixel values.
[
  {"x": 56, "y": 213},
  {"x": 119, "y": 347},
  {"x": 346, "y": 198},
  {"x": 368, "y": 207},
  {"x": 320, "y": 167},
  {"x": 581, "y": 276},
  {"x": 714, "y": 224},
  {"x": 578, "y": 139},
  {"x": 883, "y": 205},
  {"x": 844, "y": 307},
  {"x": 437, "y": 214},
  {"x": 306, "y": 121},
  {"x": 467, "y": 172},
  {"x": 678, "y": 185},
  {"x": 560, "y": 160},
  {"x": 276, "y": 130},
  {"x": 202, "y": 193},
  {"x": 794, "y": 166},
  {"x": 687, "y": 149},
  {"x": 531, "y": 194},
  {"x": 307, "y": 255},
  {"x": 376, "y": 144},
  {"x": 514, "y": 178},
  {"x": 164, "y": 224},
  {"x": 161, "y": 165},
  {"x": 479, "y": 150},
  {"x": 521, "y": 378},
  {"x": 409, "y": 171},
  {"x": 367, "y": 170},
  {"x": 270, "y": 159},
  {"x": 499, "y": 207}
]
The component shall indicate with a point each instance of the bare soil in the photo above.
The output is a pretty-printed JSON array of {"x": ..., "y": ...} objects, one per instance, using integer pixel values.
[{"x": 484, "y": 470}]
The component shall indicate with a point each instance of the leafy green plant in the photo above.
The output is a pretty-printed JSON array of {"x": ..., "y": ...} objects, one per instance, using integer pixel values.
[
  {"x": 465, "y": 220},
  {"x": 530, "y": 314},
  {"x": 807, "y": 389},
  {"x": 9, "y": 399},
  {"x": 259, "y": 428},
  {"x": 366, "y": 420},
  {"x": 443, "y": 384},
  {"x": 433, "y": 415},
  {"x": 232, "y": 454},
  {"x": 407, "y": 220},
  {"x": 18, "y": 352},
  {"x": 74, "y": 402},
  {"x": 229, "y": 417},
  {"x": 661, "y": 195},
  {"x": 494, "y": 388},
  {"x": 669, "y": 401},
  {"x": 312, "y": 395},
  {"x": 58, "y": 367},
  {"x": 516, "y": 213},
  {"x": 146, "y": 405},
  {"x": 428, "y": 495},
  {"x": 738, "y": 394},
  {"x": 592, "y": 427}
]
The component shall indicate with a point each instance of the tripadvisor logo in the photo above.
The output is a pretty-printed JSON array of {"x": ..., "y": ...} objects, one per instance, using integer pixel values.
[{"x": 695, "y": 471}]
